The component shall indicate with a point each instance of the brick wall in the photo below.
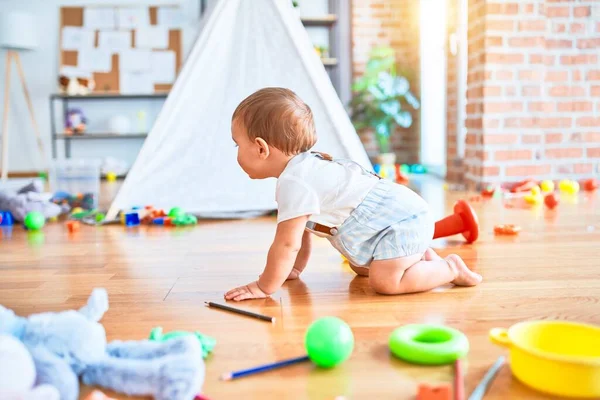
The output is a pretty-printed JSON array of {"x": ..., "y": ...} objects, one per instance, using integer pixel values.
[
  {"x": 533, "y": 98},
  {"x": 392, "y": 23},
  {"x": 454, "y": 165}
]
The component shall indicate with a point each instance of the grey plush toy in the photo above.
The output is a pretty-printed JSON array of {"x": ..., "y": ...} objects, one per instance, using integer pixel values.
[
  {"x": 71, "y": 344},
  {"x": 28, "y": 198}
]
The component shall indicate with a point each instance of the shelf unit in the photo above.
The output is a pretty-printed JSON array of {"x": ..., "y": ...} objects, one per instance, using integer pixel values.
[{"x": 67, "y": 139}]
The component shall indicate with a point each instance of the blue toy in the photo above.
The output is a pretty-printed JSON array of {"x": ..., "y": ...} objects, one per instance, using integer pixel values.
[
  {"x": 132, "y": 219},
  {"x": 377, "y": 168},
  {"x": 6, "y": 218},
  {"x": 159, "y": 221},
  {"x": 71, "y": 344},
  {"x": 417, "y": 169}
]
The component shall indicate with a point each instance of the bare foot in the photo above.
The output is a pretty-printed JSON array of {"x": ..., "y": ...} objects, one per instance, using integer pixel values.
[
  {"x": 430, "y": 255},
  {"x": 464, "y": 276},
  {"x": 295, "y": 274}
]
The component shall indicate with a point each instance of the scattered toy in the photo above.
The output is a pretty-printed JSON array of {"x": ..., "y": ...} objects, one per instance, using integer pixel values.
[
  {"x": 208, "y": 343},
  {"x": 34, "y": 220},
  {"x": 547, "y": 186},
  {"x": 523, "y": 186},
  {"x": 507, "y": 229},
  {"x": 551, "y": 200},
  {"x": 569, "y": 186},
  {"x": 430, "y": 392},
  {"x": 487, "y": 380},
  {"x": 488, "y": 191},
  {"x": 463, "y": 221},
  {"x": 239, "y": 311},
  {"x": 111, "y": 177},
  {"x": 428, "y": 344},
  {"x": 73, "y": 226},
  {"x": 590, "y": 185}
]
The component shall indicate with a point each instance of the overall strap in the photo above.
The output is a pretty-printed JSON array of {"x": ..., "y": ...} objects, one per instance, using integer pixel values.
[{"x": 343, "y": 162}]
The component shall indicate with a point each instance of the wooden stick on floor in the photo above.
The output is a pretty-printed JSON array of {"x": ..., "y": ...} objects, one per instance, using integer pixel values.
[
  {"x": 5, "y": 117},
  {"x": 36, "y": 128}
]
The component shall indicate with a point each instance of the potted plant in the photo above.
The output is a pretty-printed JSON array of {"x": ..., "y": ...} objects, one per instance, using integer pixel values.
[{"x": 381, "y": 100}]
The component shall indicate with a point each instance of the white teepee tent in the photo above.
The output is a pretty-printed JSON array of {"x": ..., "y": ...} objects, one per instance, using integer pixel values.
[{"x": 189, "y": 158}]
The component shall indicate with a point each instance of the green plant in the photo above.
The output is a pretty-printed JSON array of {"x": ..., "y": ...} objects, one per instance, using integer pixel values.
[{"x": 381, "y": 98}]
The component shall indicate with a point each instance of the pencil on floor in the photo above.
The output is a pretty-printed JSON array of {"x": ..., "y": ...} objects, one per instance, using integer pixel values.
[
  {"x": 459, "y": 380},
  {"x": 262, "y": 368},
  {"x": 483, "y": 386},
  {"x": 239, "y": 311}
]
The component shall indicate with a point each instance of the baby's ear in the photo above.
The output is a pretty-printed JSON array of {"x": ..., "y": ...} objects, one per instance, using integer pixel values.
[{"x": 262, "y": 147}]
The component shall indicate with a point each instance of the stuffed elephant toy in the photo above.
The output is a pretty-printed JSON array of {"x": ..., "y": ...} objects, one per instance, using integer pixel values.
[{"x": 69, "y": 345}]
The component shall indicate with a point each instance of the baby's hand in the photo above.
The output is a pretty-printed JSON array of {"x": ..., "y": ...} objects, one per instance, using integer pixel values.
[{"x": 249, "y": 291}]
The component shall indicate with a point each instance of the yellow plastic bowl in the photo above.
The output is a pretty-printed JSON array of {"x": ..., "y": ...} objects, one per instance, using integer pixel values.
[{"x": 555, "y": 357}]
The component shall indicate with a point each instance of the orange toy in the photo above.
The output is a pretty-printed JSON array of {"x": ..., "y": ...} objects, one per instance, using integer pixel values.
[
  {"x": 98, "y": 395},
  {"x": 73, "y": 226},
  {"x": 524, "y": 186},
  {"x": 590, "y": 185},
  {"x": 428, "y": 392},
  {"x": 551, "y": 200},
  {"x": 464, "y": 220},
  {"x": 507, "y": 229}
]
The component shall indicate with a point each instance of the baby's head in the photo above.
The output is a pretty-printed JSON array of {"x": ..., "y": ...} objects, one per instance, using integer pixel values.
[{"x": 269, "y": 127}]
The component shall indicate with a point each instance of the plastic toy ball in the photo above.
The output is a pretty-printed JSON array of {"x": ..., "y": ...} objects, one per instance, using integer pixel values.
[
  {"x": 405, "y": 169},
  {"x": 111, "y": 176},
  {"x": 535, "y": 190},
  {"x": 551, "y": 200},
  {"x": 569, "y": 187},
  {"x": 34, "y": 220},
  {"x": 176, "y": 212},
  {"x": 329, "y": 342},
  {"x": 590, "y": 185},
  {"x": 534, "y": 198},
  {"x": 547, "y": 186}
]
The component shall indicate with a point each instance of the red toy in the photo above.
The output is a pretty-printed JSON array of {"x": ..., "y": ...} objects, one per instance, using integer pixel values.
[
  {"x": 428, "y": 392},
  {"x": 73, "y": 226},
  {"x": 488, "y": 191},
  {"x": 464, "y": 220},
  {"x": 507, "y": 229},
  {"x": 590, "y": 185},
  {"x": 524, "y": 186},
  {"x": 551, "y": 200}
]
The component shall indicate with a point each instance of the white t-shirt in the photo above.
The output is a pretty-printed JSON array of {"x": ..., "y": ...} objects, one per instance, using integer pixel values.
[{"x": 325, "y": 190}]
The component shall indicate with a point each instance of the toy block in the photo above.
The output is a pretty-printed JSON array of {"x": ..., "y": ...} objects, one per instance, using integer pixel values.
[
  {"x": 429, "y": 392},
  {"x": 73, "y": 226},
  {"x": 6, "y": 218},
  {"x": 132, "y": 219}
]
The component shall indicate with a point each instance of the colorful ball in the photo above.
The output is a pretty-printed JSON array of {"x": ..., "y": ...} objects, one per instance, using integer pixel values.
[
  {"x": 34, "y": 220},
  {"x": 111, "y": 176},
  {"x": 547, "y": 186},
  {"x": 329, "y": 342}
]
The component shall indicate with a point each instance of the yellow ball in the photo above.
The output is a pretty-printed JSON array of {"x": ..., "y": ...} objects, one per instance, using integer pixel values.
[
  {"x": 547, "y": 186},
  {"x": 535, "y": 190},
  {"x": 77, "y": 210},
  {"x": 568, "y": 186},
  {"x": 111, "y": 177},
  {"x": 534, "y": 198}
]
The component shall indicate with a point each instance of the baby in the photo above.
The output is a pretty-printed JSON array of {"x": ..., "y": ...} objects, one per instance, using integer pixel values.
[{"x": 384, "y": 229}]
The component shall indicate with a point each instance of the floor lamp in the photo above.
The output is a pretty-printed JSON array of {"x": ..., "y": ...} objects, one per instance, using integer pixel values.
[{"x": 17, "y": 33}]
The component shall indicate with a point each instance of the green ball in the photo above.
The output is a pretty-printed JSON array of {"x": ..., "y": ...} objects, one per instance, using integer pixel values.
[
  {"x": 329, "y": 341},
  {"x": 176, "y": 212},
  {"x": 34, "y": 220}
]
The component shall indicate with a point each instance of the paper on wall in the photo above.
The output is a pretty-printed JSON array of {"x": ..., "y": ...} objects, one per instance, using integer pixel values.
[
  {"x": 74, "y": 72},
  {"x": 135, "y": 60},
  {"x": 170, "y": 17},
  {"x": 99, "y": 18},
  {"x": 114, "y": 41},
  {"x": 152, "y": 37},
  {"x": 95, "y": 60},
  {"x": 133, "y": 17},
  {"x": 163, "y": 66},
  {"x": 135, "y": 82},
  {"x": 77, "y": 38}
]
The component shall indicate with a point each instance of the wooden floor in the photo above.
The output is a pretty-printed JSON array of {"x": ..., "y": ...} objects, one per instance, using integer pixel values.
[{"x": 161, "y": 277}]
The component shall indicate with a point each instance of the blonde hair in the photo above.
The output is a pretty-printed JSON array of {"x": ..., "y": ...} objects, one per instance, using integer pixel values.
[{"x": 280, "y": 117}]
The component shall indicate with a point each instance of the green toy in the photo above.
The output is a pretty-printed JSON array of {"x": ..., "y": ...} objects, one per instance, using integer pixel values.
[
  {"x": 34, "y": 220},
  {"x": 100, "y": 217},
  {"x": 428, "y": 344},
  {"x": 208, "y": 343},
  {"x": 329, "y": 341},
  {"x": 176, "y": 212},
  {"x": 185, "y": 219}
]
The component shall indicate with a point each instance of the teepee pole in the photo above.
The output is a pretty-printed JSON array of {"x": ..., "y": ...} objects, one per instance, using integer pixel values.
[{"x": 5, "y": 117}]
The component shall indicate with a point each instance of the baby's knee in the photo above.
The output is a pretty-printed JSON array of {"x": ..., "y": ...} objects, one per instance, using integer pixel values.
[{"x": 384, "y": 286}]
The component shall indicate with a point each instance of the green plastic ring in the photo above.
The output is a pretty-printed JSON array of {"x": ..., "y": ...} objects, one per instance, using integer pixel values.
[{"x": 428, "y": 344}]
